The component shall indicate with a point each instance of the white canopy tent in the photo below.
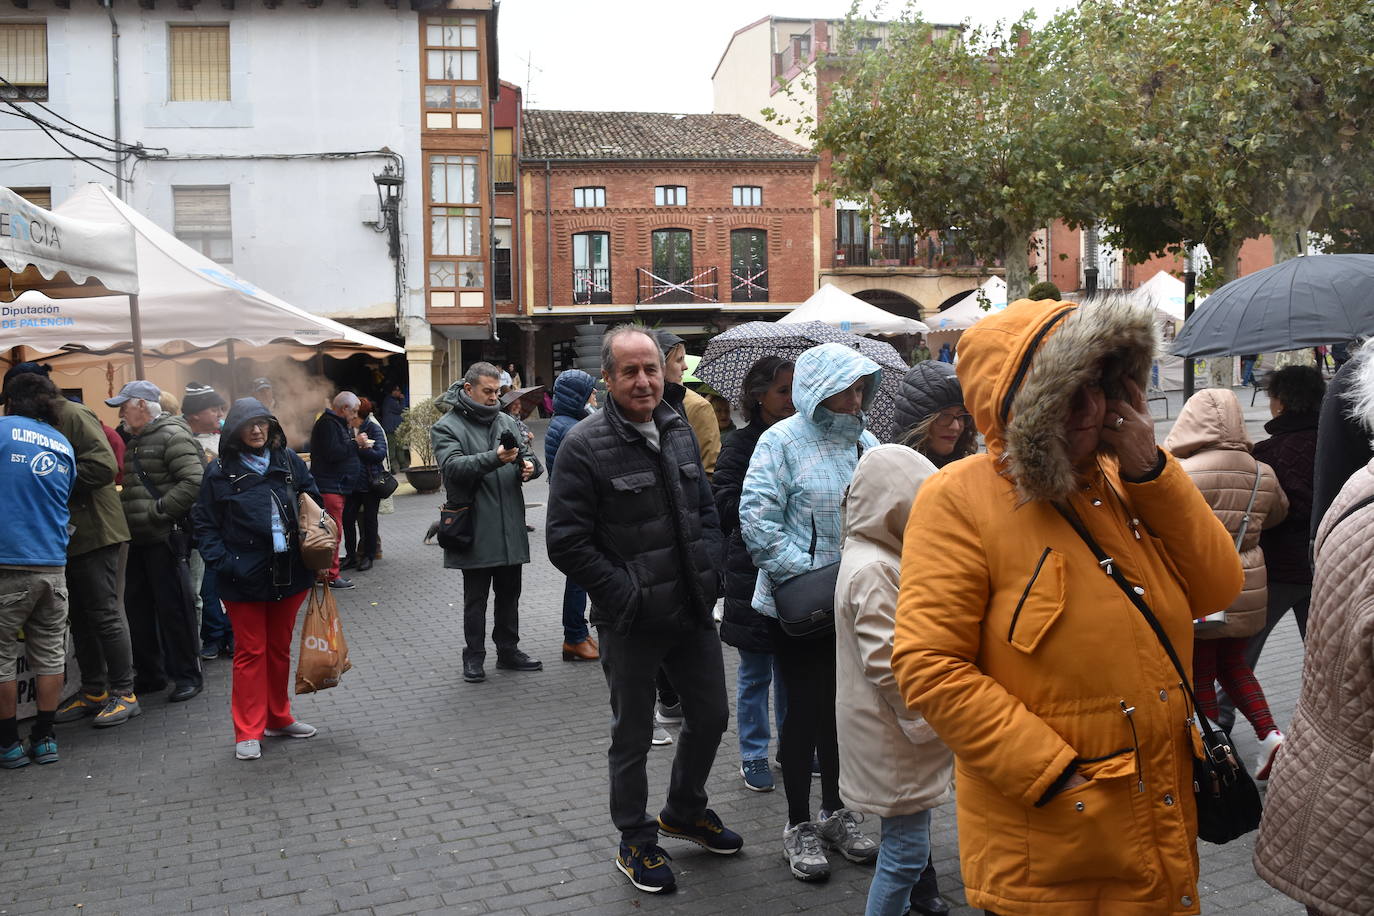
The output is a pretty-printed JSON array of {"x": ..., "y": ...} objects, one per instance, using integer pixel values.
[
  {"x": 969, "y": 310},
  {"x": 1165, "y": 292},
  {"x": 831, "y": 305},
  {"x": 187, "y": 303}
]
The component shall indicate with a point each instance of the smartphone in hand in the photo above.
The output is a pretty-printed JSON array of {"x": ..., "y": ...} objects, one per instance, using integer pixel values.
[{"x": 508, "y": 440}]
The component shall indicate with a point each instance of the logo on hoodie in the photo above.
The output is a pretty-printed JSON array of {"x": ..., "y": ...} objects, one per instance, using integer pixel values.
[{"x": 43, "y": 464}]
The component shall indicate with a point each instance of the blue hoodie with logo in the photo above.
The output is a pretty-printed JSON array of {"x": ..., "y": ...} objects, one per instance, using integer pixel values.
[{"x": 37, "y": 468}]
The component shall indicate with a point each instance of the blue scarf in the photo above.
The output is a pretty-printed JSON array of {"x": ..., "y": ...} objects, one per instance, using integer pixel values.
[{"x": 258, "y": 465}]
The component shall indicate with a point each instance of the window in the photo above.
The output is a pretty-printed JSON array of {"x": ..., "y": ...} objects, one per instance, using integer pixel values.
[
  {"x": 452, "y": 59},
  {"x": 589, "y": 197},
  {"x": 500, "y": 259},
  {"x": 670, "y": 195},
  {"x": 591, "y": 268},
  {"x": 869, "y": 44},
  {"x": 455, "y": 224},
  {"x": 748, "y": 196},
  {"x": 503, "y": 158},
  {"x": 199, "y": 65},
  {"x": 748, "y": 265},
  {"x": 24, "y": 60},
  {"x": 801, "y": 47},
  {"x": 201, "y": 220},
  {"x": 39, "y": 197}
]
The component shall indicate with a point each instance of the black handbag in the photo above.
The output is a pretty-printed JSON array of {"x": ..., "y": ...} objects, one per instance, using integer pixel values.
[
  {"x": 806, "y": 603},
  {"x": 384, "y": 485},
  {"x": 456, "y": 529},
  {"x": 1228, "y": 804}
]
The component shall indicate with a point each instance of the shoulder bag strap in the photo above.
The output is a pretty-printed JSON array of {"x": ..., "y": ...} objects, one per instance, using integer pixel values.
[
  {"x": 1134, "y": 594},
  {"x": 1245, "y": 519},
  {"x": 1356, "y": 507},
  {"x": 138, "y": 469}
]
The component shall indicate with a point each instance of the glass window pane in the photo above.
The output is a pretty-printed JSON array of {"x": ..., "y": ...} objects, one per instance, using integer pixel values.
[
  {"x": 600, "y": 250},
  {"x": 471, "y": 273},
  {"x": 474, "y": 235},
  {"x": 441, "y": 273},
  {"x": 434, "y": 65},
  {"x": 580, "y": 247},
  {"x": 434, "y": 35},
  {"x": 467, "y": 97},
  {"x": 438, "y": 187},
  {"x": 438, "y": 96},
  {"x": 658, "y": 197},
  {"x": 468, "y": 35},
  {"x": 439, "y": 234},
  {"x": 468, "y": 62}
]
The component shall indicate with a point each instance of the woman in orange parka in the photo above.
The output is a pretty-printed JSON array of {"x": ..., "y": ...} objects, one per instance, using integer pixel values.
[{"x": 1069, "y": 724}]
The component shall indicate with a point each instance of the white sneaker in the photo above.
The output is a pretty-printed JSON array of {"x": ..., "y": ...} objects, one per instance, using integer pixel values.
[
  {"x": 1268, "y": 752},
  {"x": 801, "y": 847},
  {"x": 294, "y": 730},
  {"x": 840, "y": 831},
  {"x": 247, "y": 750},
  {"x": 661, "y": 737}
]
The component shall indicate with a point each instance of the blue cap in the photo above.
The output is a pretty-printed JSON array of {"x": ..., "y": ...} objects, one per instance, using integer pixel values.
[{"x": 136, "y": 389}]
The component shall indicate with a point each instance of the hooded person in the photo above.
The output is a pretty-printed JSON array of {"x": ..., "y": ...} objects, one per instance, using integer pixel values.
[
  {"x": 572, "y": 392},
  {"x": 789, "y": 515},
  {"x": 1075, "y": 776},
  {"x": 698, "y": 411},
  {"x": 1210, "y": 441},
  {"x": 931, "y": 416},
  {"x": 891, "y": 763},
  {"x": 245, "y": 523}
]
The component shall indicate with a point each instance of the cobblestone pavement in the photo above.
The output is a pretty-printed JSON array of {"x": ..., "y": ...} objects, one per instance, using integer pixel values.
[{"x": 425, "y": 794}]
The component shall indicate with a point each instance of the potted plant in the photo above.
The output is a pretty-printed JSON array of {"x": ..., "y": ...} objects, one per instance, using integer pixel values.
[{"x": 413, "y": 434}]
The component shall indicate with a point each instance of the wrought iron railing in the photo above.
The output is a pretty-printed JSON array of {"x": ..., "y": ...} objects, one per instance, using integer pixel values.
[
  {"x": 749, "y": 285},
  {"x": 591, "y": 285}
]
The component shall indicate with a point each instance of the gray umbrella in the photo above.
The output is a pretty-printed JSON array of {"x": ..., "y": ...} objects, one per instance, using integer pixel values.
[
  {"x": 731, "y": 353},
  {"x": 1304, "y": 302}
]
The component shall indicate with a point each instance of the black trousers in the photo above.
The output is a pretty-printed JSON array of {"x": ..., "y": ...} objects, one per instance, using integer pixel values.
[
  {"x": 505, "y": 624},
  {"x": 99, "y": 630},
  {"x": 161, "y": 611},
  {"x": 692, "y": 659},
  {"x": 807, "y": 667},
  {"x": 360, "y": 514}
]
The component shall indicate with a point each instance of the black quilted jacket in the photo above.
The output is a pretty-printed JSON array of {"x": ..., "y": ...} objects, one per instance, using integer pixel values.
[
  {"x": 1291, "y": 450},
  {"x": 636, "y": 528},
  {"x": 743, "y": 627}
]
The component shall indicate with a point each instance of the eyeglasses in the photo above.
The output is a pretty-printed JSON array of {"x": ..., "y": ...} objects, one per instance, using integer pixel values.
[
  {"x": 946, "y": 419},
  {"x": 259, "y": 424}
]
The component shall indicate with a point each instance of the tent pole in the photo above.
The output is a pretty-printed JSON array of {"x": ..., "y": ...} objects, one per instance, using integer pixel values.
[
  {"x": 233, "y": 376},
  {"x": 136, "y": 326}
]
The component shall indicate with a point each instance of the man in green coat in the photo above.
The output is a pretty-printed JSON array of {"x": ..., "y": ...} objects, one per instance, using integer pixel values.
[
  {"x": 162, "y": 469},
  {"x": 98, "y": 628},
  {"x": 478, "y": 469}
]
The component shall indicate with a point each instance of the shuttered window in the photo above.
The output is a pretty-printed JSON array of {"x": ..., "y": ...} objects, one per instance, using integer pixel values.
[
  {"x": 199, "y": 64},
  {"x": 201, "y": 219},
  {"x": 24, "y": 60}
]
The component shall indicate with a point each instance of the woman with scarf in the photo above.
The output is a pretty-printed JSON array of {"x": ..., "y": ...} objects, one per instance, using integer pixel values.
[{"x": 245, "y": 522}]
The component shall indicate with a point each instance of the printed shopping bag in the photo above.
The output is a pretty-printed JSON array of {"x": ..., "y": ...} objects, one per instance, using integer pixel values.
[{"x": 324, "y": 652}]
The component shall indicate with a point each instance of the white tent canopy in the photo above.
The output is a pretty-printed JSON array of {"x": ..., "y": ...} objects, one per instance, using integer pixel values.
[
  {"x": 831, "y": 305},
  {"x": 187, "y": 302},
  {"x": 1165, "y": 292},
  {"x": 61, "y": 255},
  {"x": 969, "y": 310}
]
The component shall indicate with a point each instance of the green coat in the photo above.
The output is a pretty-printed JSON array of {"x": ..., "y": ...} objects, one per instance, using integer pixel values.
[
  {"x": 96, "y": 517},
  {"x": 465, "y": 449},
  {"x": 174, "y": 462}
]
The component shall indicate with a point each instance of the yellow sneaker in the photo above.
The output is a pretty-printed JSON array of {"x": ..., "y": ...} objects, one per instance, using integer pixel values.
[
  {"x": 118, "y": 710},
  {"x": 80, "y": 706}
]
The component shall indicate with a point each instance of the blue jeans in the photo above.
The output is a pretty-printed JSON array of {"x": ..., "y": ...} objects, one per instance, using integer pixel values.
[
  {"x": 214, "y": 623},
  {"x": 902, "y": 856},
  {"x": 756, "y": 671},
  {"x": 574, "y": 613}
]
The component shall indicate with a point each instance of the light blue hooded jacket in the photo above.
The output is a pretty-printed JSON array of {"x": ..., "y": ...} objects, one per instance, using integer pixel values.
[{"x": 800, "y": 470}]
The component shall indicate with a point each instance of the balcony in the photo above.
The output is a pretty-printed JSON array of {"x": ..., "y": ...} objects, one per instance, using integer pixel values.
[
  {"x": 749, "y": 286},
  {"x": 676, "y": 287},
  {"x": 591, "y": 285},
  {"x": 943, "y": 250},
  {"x": 503, "y": 171}
]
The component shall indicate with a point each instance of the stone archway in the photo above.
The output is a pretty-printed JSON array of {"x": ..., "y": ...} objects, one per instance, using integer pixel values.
[
  {"x": 891, "y": 301},
  {"x": 924, "y": 290}
]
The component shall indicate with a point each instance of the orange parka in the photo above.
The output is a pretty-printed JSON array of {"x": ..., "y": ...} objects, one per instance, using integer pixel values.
[{"x": 1029, "y": 661}]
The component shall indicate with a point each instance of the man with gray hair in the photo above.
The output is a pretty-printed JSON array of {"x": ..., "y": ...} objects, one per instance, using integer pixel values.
[
  {"x": 335, "y": 442},
  {"x": 163, "y": 465},
  {"x": 485, "y": 461},
  {"x": 632, "y": 520}
]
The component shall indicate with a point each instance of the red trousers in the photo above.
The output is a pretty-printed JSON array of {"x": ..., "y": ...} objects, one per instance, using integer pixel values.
[
  {"x": 334, "y": 505},
  {"x": 262, "y": 664}
]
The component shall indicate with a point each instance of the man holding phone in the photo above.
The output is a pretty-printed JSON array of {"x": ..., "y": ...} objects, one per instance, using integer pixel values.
[{"x": 484, "y": 463}]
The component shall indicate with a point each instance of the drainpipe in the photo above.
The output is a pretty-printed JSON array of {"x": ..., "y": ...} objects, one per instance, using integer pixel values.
[
  {"x": 548, "y": 238},
  {"x": 488, "y": 269},
  {"x": 118, "y": 121}
]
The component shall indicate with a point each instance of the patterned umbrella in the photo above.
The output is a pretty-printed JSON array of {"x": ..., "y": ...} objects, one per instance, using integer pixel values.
[{"x": 730, "y": 355}]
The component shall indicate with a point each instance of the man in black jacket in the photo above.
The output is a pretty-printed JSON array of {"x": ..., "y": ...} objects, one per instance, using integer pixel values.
[
  {"x": 631, "y": 519},
  {"x": 334, "y": 447}
]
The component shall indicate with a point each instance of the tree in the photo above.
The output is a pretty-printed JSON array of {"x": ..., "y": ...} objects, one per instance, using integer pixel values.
[{"x": 987, "y": 132}]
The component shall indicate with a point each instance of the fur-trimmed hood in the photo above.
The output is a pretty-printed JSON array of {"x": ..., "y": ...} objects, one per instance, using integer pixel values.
[{"x": 1021, "y": 367}]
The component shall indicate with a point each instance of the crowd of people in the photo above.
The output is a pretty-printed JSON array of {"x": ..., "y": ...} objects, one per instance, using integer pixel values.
[{"x": 973, "y": 573}]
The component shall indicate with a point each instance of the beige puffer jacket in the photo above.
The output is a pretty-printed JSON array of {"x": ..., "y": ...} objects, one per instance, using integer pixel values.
[
  {"x": 891, "y": 761},
  {"x": 1316, "y": 843},
  {"x": 1210, "y": 441}
]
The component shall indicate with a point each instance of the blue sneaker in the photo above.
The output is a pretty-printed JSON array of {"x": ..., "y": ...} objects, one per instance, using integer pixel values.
[
  {"x": 757, "y": 776},
  {"x": 706, "y": 831},
  {"x": 13, "y": 757},
  {"x": 647, "y": 867},
  {"x": 43, "y": 750}
]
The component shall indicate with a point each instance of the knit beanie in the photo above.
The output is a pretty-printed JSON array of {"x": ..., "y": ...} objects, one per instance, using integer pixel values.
[{"x": 198, "y": 397}]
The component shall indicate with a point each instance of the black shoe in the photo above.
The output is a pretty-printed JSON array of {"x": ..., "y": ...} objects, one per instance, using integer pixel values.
[
  {"x": 518, "y": 661},
  {"x": 348, "y": 563},
  {"x": 473, "y": 672},
  {"x": 341, "y": 582},
  {"x": 930, "y": 906},
  {"x": 210, "y": 650},
  {"x": 150, "y": 687},
  {"x": 364, "y": 564},
  {"x": 183, "y": 692}
]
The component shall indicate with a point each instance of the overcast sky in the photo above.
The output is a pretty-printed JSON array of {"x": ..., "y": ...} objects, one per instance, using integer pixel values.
[{"x": 644, "y": 55}]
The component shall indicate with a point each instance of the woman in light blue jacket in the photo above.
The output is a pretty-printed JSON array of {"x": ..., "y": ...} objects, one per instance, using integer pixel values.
[{"x": 790, "y": 518}]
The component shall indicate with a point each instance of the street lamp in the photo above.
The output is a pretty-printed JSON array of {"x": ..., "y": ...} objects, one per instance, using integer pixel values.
[
  {"x": 389, "y": 184},
  {"x": 1090, "y": 247}
]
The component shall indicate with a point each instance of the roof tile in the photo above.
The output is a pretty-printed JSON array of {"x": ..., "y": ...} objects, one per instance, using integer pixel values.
[{"x": 651, "y": 135}]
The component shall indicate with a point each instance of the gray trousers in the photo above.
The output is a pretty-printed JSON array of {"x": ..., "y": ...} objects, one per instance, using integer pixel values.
[
  {"x": 98, "y": 626},
  {"x": 692, "y": 661}
]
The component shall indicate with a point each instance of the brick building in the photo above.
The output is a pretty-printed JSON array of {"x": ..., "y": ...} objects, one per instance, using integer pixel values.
[{"x": 691, "y": 222}]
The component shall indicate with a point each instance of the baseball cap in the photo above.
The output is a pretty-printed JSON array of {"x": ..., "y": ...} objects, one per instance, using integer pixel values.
[
  {"x": 667, "y": 340},
  {"x": 135, "y": 389}
]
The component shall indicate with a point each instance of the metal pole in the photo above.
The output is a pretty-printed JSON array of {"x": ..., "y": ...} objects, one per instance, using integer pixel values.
[
  {"x": 136, "y": 327},
  {"x": 1189, "y": 293},
  {"x": 118, "y": 121},
  {"x": 233, "y": 376}
]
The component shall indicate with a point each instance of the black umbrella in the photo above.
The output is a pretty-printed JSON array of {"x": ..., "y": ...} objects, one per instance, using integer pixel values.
[{"x": 1303, "y": 302}]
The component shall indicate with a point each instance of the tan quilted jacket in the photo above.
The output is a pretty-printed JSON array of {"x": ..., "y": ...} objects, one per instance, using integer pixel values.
[
  {"x": 1316, "y": 843},
  {"x": 1210, "y": 441}
]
